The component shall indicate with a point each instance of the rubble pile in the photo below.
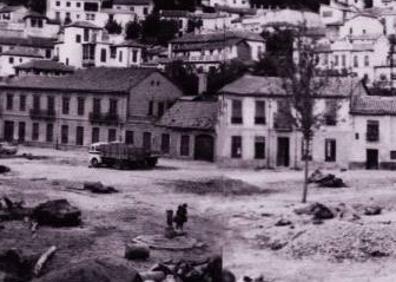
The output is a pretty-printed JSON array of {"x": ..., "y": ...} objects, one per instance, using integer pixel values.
[
  {"x": 340, "y": 240},
  {"x": 57, "y": 213},
  {"x": 326, "y": 180},
  {"x": 99, "y": 188}
]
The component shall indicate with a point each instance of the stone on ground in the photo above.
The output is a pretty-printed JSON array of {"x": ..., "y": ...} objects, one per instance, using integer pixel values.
[
  {"x": 57, "y": 213},
  {"x": 99, "y": 188},
  {"x": 137, "y": 251}
]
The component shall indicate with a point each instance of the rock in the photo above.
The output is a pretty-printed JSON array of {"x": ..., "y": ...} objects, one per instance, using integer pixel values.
[
  {"x": 316, "y": 176},
  {"x": 320, "y": 212},
  {"x": 228, "y": 276},
  {"x": 283, "y": 222},
  {"x": 372, "y": 210},
  {"x": 215, "y": 268},
  {"x": 277, "y": 244},
  {"x": 17, "y": 265},
  {"x": 137, "y": 251},
  {"x": 94, "y": 270},
  {"x": 99, "y": 188},
  {"x": 57, "y": 213},
  {"x": 4, "y": 169}
]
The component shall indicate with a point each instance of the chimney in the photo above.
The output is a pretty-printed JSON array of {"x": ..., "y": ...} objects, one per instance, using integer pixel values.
[{"x": 202, "y": 83}]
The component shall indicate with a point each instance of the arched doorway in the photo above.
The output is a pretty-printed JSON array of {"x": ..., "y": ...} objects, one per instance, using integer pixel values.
[{"x": 204, "y": 148}]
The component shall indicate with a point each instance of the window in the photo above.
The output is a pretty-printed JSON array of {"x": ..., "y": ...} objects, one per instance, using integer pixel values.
[
  {"x": 236, "y": 114},
  {"x": 80, "y": 106},
  {"x": 355, "y": 61},
  {"x": 79, "y": 135},
  {"x": 326, "y": 59},
  {"x": 78, "y": 38},
  {"x": 336, "y": 60},
  {"x": 259, "y": 147},
  {"x": 343, "y": 60},
  {"x": 185, "y": 145},
  {"x": 65, "y": 105},
  {"x": 113, "y": 52},
  {"x": 91, "y": 7},
  {"x": 86, "y": 34},
  {"x": 260, "y": 113},
  {"x": 393, "y": 155},
  {"x": 36, "y": 103},
  {"x": 22, "y": 103},
  {"x": 350, "y": 30},
  {"x": 57, "y": 3},
  {"x": 145, "y": 11},
  {"x": 64, "y": 134},
  {"x": 150, "y": 108},
  {"x": 134, "y": 56},
  {"x": 147, "y": 140},
  {"x": 236, "y": 147},
  {"x": 112, "y": 135},
  {"x": 51, "y": 104},
  {"x": 78, "y": 4},
  {"x": 165, "y": 143},
  {"x": 120, "y": 56},
  {"x": 35, "y": 131},
  {"x": 129, "y": 138},
  {"x": 330, "y": 150},
  {"x": 331, "y": 113},
  {"x": 366, "y": 61},
  {"x": 113, "y": 107},
  {"x": 10, "y": 101},
  {"x": 96, "y": 106},
  {"x": 161, "y": 108},
  {"x": 103, "y": 55},
  {"x": 48, "y": 53},
  {"x": 11, "y": 60},
  {"x": 95, "y": 134},
  {"x": 364, "y": 31},
  {"x": 49, "y": 137},
  {"x": 372, "y": 130},
  {"x": 357, "y": 136},
  {"x": 67, "y": 4}
]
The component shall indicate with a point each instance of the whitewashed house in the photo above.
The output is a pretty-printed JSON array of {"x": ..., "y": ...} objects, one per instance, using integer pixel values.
[
  {"x": 139, "y": 8},
  {"x": 228, "y": 3},
  {"x": 16, "y": 56}
]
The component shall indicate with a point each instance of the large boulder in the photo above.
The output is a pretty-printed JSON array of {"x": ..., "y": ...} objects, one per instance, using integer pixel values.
[
  {"x": 4, "y": 169},
  {"x": 57, "y": 213},
  {"x": 317, "y": 210},
  {"x": 137, "y": 251},
  {"x": 94, "y": 270}
]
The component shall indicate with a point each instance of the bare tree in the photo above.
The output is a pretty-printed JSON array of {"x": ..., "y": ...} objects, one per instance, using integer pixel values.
[{"x": 303, "y": 82}]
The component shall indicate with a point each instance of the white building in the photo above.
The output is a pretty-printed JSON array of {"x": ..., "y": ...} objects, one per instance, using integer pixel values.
[
  {"x": 12, "y": 14},
  {"x": 139, "y": 8},
  {"x": 228, "y": 3},
  {"x": 14, "y": 57}
]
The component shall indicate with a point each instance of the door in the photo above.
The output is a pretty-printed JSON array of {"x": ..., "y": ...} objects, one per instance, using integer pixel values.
[
  {"x": 283, "y": 154},
  {"x": 21, "y": 132},
  {"x": 147, "y": 140},
  {"x": 204, "y": 147},
  {"x": 79, "y": 135},
  {"x": 372, "y": 159},
  {"x": 8, "y": 131}
]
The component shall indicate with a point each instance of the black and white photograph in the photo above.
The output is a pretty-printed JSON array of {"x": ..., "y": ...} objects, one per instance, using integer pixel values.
[{"x": 197, "y": 140}]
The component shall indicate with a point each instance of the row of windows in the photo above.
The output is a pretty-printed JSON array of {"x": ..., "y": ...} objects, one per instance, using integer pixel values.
[
  {"x": 97, "y": 104},
  {"x": 340, "y": 60},
  {"x": 184, "y": 149},
  {"x": 88, "y": 16},
  {"x": 68, "y": 4},
  {"x": 259, "y": 149}
]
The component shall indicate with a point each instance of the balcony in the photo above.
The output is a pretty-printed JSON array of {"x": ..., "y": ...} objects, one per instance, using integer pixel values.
[
  {"x": 282, "y": 123},
  {"x": 104, "y": 118},
  {"x": 37, "y": 114}
]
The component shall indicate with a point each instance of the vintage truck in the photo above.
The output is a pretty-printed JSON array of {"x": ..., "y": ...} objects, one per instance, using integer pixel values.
[{"x": 120, "y": 156}]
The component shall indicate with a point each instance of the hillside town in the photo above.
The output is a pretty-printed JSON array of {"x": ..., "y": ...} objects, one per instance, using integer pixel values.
[{"x": 174, "y": 137}]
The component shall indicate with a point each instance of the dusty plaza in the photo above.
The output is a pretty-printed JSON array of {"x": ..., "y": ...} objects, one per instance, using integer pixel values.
[{"x": 240, "y": 223}]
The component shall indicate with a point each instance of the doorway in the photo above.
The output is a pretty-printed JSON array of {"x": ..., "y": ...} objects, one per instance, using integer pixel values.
[
  {"x": 372, "y": 159},
  {"x": 283, "y": 153},
  {"x": 21, "y": 132},
  {"x": 203, "y": 149},
  {"x": 147, "y": 140},
  {"x": 8, "y": 131}
]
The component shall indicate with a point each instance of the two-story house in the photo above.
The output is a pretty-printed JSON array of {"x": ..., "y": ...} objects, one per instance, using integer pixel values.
[
  {"x": 97, "y": 104},
  {"x": 140, "y": 8},
  {"x": 253, "y": 128},
  {"x": 374, "y": 130}
]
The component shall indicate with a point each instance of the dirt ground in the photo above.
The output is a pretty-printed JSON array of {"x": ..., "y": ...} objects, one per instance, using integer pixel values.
[{"x": 237, "y": 224}]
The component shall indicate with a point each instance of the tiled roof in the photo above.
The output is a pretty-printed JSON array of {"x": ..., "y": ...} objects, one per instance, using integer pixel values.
[
  {"x": 22, "y": 52},
  {"x": 107, "y": 80},
  {"x": 10, "y": 9},
  {"x": 233, "y": 10},
  {"x": 83, "y": 24},
  {"x": 174, "y": 13},
  {"x": 373, "y": 105},
  {"x": 362, "y": 47},
  {"x": 38, "y": 42},
  {"x": 33, "y": 14},
  {"x": 218, "y": 36},
  {"x": 45, "y": 65},
  {"x": 191, "y": 115},
  {"x": 207, "y": 45},
  {"x": 131, "y": 43},
  {"x": 250, "y": 85},
  {"x": 132, "y": 2}
]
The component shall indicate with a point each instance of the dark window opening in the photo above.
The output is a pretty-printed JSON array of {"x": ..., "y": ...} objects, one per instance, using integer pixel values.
[
  {"x": 236, "y": 114},
  {"x": 129, "y": 137},
  {"x": 330, "y": 150},
  {"x": 185, "y": 145},
  {"x": 259, "y": 147},
  {"x": 236, "y": 147},
  {"x": 165, "y": 143}
]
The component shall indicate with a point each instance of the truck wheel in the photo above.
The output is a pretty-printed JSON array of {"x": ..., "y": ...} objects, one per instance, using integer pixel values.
[{"x": 94, "y": 163}]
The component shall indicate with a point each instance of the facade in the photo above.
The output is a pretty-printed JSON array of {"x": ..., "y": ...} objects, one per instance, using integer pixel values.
[
  {"x": 11, "y": 58},
  {"x": 188, "y": 130},
  {"x": 228, "y": 3},
  {"x": 206, "y": 51},
  {"x": 374, "y": 128},
  {"x": 99, "y": 104},
  {"x": 253, "y": 132},
  {"x": 140, "y": 8},
  {"x": 43, "y": 68}
]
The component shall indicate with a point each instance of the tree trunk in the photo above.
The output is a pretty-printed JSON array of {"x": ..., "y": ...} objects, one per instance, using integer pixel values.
[{"x": 305, "y": 188}]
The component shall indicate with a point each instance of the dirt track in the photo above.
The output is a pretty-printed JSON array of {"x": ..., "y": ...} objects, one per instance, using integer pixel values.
[{"x": 232, "y": 223}]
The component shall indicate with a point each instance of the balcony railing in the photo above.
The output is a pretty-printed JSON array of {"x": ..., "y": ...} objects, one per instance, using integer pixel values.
[
  {"x": 37, "y": 114},
  {"x": 104, "y": 118},
  {"x": 282, "y": 123}
]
